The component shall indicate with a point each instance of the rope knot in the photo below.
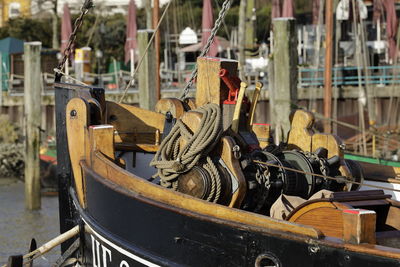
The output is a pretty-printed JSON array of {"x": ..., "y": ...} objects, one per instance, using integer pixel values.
[{"x": 177, "y": 166}]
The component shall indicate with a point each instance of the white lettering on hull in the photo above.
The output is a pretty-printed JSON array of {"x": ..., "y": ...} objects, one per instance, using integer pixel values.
[{"x": 103, "y": 253}]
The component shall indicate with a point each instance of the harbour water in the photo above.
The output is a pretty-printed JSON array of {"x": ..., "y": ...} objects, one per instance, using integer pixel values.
[{"x": 18, "y": 225}]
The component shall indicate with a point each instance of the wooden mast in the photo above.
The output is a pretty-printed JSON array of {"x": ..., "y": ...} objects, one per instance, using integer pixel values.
[
  {"x": 156, "y": 16},
  {"x": 328, "y": 64}
]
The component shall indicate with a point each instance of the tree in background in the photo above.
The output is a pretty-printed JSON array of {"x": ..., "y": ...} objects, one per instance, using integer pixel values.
[
  {"x": 28, "y": 29},
  {"x": 109, "y": 32},
  {"x": 45, "y": 8}
]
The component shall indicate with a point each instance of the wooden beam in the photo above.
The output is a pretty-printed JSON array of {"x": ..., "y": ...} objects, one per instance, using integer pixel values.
[{"x": 32, "y": 89}]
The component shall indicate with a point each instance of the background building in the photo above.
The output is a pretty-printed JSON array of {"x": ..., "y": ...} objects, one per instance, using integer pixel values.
[{"x": 13, "y": 8}]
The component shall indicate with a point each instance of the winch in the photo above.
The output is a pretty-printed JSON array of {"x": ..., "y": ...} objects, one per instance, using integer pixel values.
[
  {"x": 193, "y": 159},
  {"x": 270, "y": 173}
]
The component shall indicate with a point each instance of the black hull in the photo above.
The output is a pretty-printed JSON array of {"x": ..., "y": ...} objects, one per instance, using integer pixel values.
[{"x": 159, "y": 235}]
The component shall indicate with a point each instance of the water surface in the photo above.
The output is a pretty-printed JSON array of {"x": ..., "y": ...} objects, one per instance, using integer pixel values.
[{"x": 18, "y": 225}]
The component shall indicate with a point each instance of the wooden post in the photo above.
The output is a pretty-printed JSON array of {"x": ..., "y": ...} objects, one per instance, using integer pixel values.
[
  {"x": 250, "y": 24},
  {"x": 147, "y": 72},
  {"x": 328, "y": 65},
  {"x": 32, "y": 103},
  {"x": 147, "y": 6},
  {"x": 210, "y": 87},
  {"x": 116, "y": 73},
  {"x": 271, "y": 88},
  {"x": 285, "y": 74},
  {"x": 359, "y": 226},
  {"x": 157, "y": 43},
  {"x": 242, "y": 38},
  {"x": 1, "y": 79}
]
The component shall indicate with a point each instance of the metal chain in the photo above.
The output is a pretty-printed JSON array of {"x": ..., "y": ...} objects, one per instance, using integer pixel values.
[
  {"x": 222, "y": 13},
  {"x": 87, "y": 5},
  {"x": 321, "y": 161}
]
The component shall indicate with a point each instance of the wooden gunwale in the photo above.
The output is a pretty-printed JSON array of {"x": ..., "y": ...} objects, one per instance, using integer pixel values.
[
  {"x": 128, "y": 192},
  {"x": 124, "y": 182},
  {"x": 179, "y": 201}
]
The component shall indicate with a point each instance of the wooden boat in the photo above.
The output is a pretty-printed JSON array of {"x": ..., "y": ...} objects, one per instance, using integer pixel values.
[{"x": 216, "y": 212}]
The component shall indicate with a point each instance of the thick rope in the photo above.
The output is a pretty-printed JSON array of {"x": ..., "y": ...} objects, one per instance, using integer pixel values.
[{"x": 171, "y": 160}]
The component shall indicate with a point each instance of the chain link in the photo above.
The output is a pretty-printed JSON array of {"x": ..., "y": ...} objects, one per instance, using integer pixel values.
[
  {"x": 87, "y": 5},
  {"x": 322, "y": 162},
  {"x": 222, "y": 13}
]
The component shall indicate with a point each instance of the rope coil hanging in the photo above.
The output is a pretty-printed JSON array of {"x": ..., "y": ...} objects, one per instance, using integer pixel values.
[{"x": 171, "y": 159}]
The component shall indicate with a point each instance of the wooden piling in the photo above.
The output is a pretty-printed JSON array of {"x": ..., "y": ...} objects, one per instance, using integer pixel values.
[
  {"x": 157, "y": 42},
  {"x": 1, "y": 79},
  {"x": 328, "y": 65},
  {"x": 149, "y": 19},
  {"x": 147, "y": 71},
  {"x": 32, "y": 101},
  {"x": 242, "y": 38},
  {"x": 250, "y": 24},
  {"x": 285, "y": 74}
]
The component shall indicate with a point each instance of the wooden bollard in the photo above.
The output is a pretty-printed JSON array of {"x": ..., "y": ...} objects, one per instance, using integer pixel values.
[
  {"x": 359, "y": 226},
  {"x": 32, "y": 101}
]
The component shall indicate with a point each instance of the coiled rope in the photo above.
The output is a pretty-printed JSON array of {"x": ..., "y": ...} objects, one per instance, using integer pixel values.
[{"x": 171, "y": 159}]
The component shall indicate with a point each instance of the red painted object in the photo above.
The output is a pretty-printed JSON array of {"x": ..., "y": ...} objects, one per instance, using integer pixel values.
[{"x": 233, "y": 84}]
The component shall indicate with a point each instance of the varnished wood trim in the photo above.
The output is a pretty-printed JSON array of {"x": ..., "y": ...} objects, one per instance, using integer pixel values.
[
  {"x": 312, "y": 205},
  {"x": 137, "y": 147},
  {"x": 133, "y": 124},
  {"x": 233, "y": 165},
  {"x": 136, "y": 185},
  {"x": 77, "y": 119}
]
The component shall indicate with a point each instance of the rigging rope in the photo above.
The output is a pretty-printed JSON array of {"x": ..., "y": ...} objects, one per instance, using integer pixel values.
[
  {"x": 171, "y": 159},
  {"x": 222, "y": 13}
]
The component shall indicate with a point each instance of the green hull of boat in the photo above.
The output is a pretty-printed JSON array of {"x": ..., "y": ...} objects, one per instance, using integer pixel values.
[{"x": 372, "y": 160}]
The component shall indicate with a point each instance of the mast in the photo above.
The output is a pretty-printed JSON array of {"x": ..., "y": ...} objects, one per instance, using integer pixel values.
[
  {"x": 156, "y": 16},
  {"x": 328, "y": 64}
]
